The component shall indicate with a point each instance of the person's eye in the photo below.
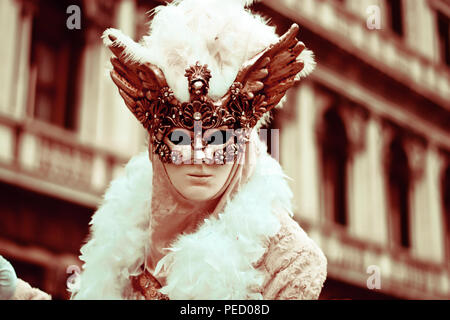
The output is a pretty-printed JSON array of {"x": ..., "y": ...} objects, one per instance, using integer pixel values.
[
  {"x": 179, "y": 138},
  {"x": 218, "y": 137}
]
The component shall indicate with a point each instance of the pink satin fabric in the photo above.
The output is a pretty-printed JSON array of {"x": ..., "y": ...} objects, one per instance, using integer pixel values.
[{"x": 173, "y": 215}]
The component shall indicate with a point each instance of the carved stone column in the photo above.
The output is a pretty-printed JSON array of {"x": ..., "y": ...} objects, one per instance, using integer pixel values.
[
  {"x": 9, "y": 17},
  {"x": 358, "y": 193},
  {"x": 15, "y": 31},
  {"x": 97, "y": 15},
  {"x": 418, "y": 197},
  {"x": 378, "y": 137},
  {"x": 127, "y": 133},
  {"x": 436, "y": 164},
  {"x": 426, "y": 208},
  {"x": 103, "y": 111},
  {"x": 299, "y": 151},
  {"x": 309, "y": 201}
]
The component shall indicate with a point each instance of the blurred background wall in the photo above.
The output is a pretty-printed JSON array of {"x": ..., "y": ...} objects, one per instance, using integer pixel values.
[{"x": 366, "y": 138}]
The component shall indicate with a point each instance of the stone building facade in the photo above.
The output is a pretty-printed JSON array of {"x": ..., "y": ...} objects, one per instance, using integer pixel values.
[{"x": 366, "y": 138}]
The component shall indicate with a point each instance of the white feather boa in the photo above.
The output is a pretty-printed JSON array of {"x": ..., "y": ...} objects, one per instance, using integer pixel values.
[{"x": 215, "y": 262}]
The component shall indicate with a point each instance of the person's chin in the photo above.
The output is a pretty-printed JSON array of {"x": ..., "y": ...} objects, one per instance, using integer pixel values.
[{"x": 198, "y": 193}]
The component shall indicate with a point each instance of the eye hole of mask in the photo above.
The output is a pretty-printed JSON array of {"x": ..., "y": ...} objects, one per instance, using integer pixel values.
[
  {"x": 180, "y": 138},
  {"x": 218, "y": 137}
]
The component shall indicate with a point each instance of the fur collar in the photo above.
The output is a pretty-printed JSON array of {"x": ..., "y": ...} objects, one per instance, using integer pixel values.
[{"x": 215, "y": 262}]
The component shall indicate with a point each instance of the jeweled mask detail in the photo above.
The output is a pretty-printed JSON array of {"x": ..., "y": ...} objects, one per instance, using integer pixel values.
[
  {"x": 259, "y": 86},
  {"x": 197, "y": 115}
]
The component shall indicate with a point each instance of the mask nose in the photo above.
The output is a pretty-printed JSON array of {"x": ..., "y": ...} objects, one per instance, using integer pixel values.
[{"x": 199, "y": 154}]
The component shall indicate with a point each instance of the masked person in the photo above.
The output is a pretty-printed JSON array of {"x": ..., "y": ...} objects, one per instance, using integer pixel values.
[{"x": 206, "y": 212}]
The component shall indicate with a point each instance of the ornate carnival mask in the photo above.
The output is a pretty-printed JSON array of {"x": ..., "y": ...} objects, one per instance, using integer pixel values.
[{"x": 212, "y": 131}]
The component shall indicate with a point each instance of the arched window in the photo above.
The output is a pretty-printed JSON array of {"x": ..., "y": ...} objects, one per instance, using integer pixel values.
[
  {"x": 55, "y": 64},
  {"x": 444, "y": 37},
  {"x": 334, "y": 166},
  {"x": 395, "y": 13},
  {"x": 398, "y": 194}
]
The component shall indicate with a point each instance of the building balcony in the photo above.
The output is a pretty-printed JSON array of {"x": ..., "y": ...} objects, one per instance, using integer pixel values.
[
  {"x": 49, "y": 160},
  {"x": 382, "y": 50},
  {"x": 401, "y": 275}
]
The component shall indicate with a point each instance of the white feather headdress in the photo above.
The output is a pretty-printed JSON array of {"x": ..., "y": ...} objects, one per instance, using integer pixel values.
[{"x": 221, "y": 34}]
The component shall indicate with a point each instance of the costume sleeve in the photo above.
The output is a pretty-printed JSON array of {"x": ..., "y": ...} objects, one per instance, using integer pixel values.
[
  {"x": 26, "y": 292},
  {"x": 12, "y": 288},
  {"x": 8, "y": 279},
  {"x": 295, "y": 266}
]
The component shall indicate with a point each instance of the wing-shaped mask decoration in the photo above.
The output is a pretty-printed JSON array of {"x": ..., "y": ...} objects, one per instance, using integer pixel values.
[{"x": 259, "y": 86}]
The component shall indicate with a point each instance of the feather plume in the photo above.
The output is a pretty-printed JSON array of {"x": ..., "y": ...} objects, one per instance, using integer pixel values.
[
  {"x": 221, "y": 34},
  {"x": 310, "y": 64}
]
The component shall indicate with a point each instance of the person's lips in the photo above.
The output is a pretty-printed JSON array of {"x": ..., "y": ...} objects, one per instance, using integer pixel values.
[
  {"x": 200, "y": 178},
  {"x": 200, "y": 175}
]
